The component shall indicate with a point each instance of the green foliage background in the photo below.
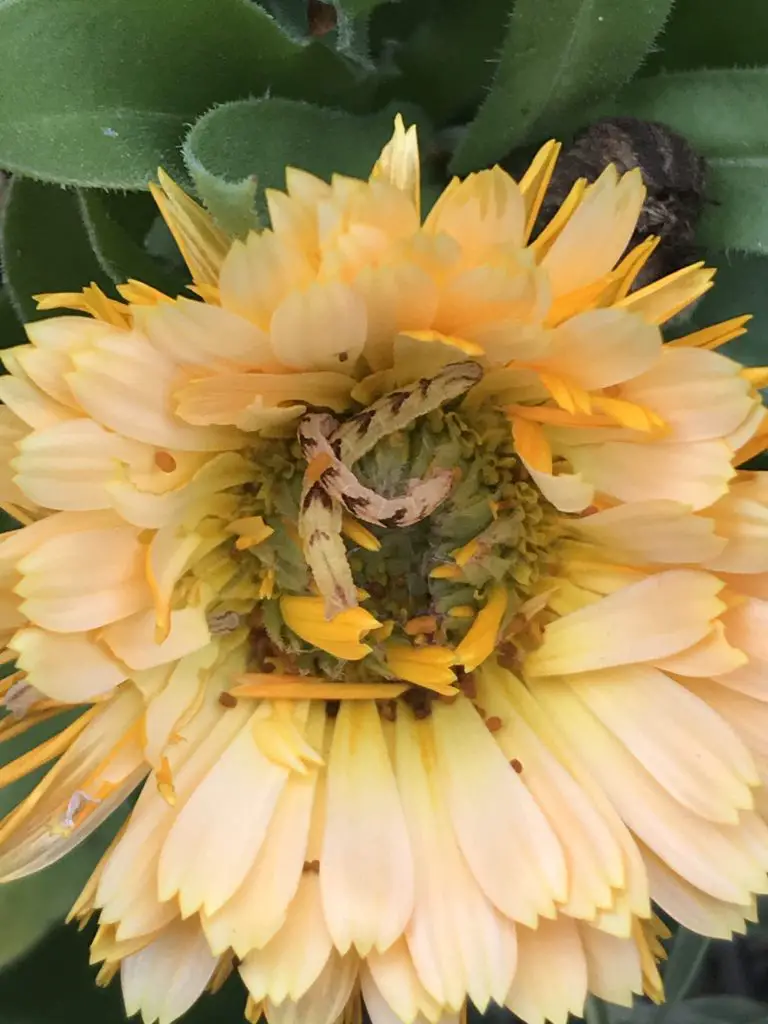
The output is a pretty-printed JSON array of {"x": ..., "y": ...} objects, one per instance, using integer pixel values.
[{"x": 95, "y": 94}]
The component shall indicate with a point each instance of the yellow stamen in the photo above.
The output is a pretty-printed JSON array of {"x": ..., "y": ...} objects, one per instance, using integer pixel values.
[
  {"x": 531, "y": 443},
  {"x": 469, "y": 348},
  {"x": 445, "y": 572},
  {"x": 481, "y": 639},
  {"x": 44, "y": 752},
  {"x": 251, "y": 530},
  {"x": 462, "y": 611},
  {"x": 340, "y": 636},
  {"x": 756, "y": 375},
  {"x": 713, "y": 336},
  {"x": 427, "y": 666},
  {"x": 267, "y": 687},
  {"x": 356, "y": 532},
  {"x": 541, "y": 245},
  {"x": 535, "y": 182},
  {"x": 420, "y": 624},
  {"x": 467, "y": 552},
  {"x": 267, "y": 585}
]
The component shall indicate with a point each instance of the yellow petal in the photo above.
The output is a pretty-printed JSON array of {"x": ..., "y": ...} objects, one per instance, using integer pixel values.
[
  {"x": 341, "y": 636},
  {"x": 202, "y": 244},
  {"x": 483, "y": 635},
  {"x": 428, "y": 666},
  {"x": 398, "y": 163}
]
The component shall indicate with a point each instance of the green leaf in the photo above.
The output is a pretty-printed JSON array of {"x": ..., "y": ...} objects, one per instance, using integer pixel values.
[
  {"x": 682, "y": 969},
  {"x": 443, "y": 50},
  {"x": 45, "y": 246},
  {"x": 359, "y": 8},
  {"x": 11, "y": 330},
  {"x": 557, "y": 59},
  {"x": 716, "y": 1010},
  {"x": 709, "y": 33},
  {"x": 737, "y": 216},
  {"x": 721, "y": 113},
  {"x": 724, "y": 114},
  {"x": 98, "y": 94},
  {"x": 259, "y": 138},
  {"x": 232, "y": 203},
  {"x": 117, "y": 227}
]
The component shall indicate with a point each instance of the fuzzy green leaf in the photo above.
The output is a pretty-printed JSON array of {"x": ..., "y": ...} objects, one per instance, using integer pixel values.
[
  {"x": 709, "y": 33},
  {"x": 260, "y": 138},
  {"x": 232, "y": 203},
  {"x": 11, "y": 330},
  {"x": 721, "y": 113},
  {"x": 45, "y": 246},
  {"x": 117, "y": 227},
  {"x": 444, "y": 52},
  {"x": 98, "y": 94},
  {"x": 557, "y": 59},
  {"x": 724, "y": 114}
]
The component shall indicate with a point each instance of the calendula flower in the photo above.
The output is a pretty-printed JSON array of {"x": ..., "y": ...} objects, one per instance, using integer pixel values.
[{"x": 414, "y": 580}]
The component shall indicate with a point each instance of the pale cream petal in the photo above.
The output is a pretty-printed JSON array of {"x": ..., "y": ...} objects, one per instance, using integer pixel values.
[
  {"x": 217, "y": 834},
  {"x": 68, "y": 466},
  {"x": 643, "y": 621},
  {"x": 127, "y": 888},
  {"x": 367, "y": 876},
  {"x": 593, "y": 856},
  {"x": 79, "y": 581},
  {"x": 95, "y": 774},
  {"x": 324, "y": 1001},
  {"x": 493, "y": 813},
  {"x": 689, "y": 906},
  {"x": 460, "y": 945},
  {"x": 603, "y": 347},
  {"x": 741, "y": 518},
  {"x": 689, "y": 750},
  {"x": 614, "y": 970},
  {"x": 276, "y": 971},
  {"x": 747, "y": 715},
  {"x": 694, "y": 474},
  {"x": 551, "y": 977},
  {"x": 700, "y": 395},
  {"x": 391, "y": 977},
  {"x": 30, "y": 404},
  {"x": 709, "y": 657},
  {"x": 662, "y": 299},
  {"x": 628, "y": 877},
  {"x": 134, "y": 639},
  {"x": 321, "y": 328},
  {"x": 67, "y": 668},
  {"x": 258, "y": 273},
  {"x": 126, "y": 384},
  {"x": 398, "y": 163},
  {"x": 259, "y": 908},
  {"x": 165, "y": 978},
  {"x": 200, "y": 334},
  {"x": 238, "y": 398},
  {"x": 568, "y": 492},
  {"x": 652, "y": 531},
  {"x": 400, "y": 297},
  {"x": 66, "y": 332},
  {"x": 712, "y": 857},
  {"x": 485, "y": 209},
  {"x": 166, "y": 710},
  {"x": 593, "y": 240},
  {"x": 746, "y": 627},
  {"x": 15, "y": 545}
]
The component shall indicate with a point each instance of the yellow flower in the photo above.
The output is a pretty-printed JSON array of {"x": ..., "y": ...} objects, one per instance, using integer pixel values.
[{"x": 413, "y": 578}]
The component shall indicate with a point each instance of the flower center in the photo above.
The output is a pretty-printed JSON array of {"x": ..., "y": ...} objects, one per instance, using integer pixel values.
[{"x": 399, "y": 541}]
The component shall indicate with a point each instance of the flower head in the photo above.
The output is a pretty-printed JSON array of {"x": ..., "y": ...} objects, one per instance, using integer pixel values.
[{"x": 413, "y": 577}]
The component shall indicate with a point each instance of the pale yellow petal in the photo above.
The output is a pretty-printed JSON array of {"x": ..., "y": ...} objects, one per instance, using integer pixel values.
[
  {"x": 398, "y": 163},
  {"x": 322, "y": 328},
  {"x": 68, "y": 668},
  {"x": 551, "y": 978},
  {"x": 614, "y": 971},
  {"x": 324, "y": 1001},
  {"x": 651, "y": 619},
  {"x": 367, "y": 876}
]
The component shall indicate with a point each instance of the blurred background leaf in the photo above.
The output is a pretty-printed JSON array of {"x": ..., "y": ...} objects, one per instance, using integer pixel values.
[{"x": 557, "y": 59}]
